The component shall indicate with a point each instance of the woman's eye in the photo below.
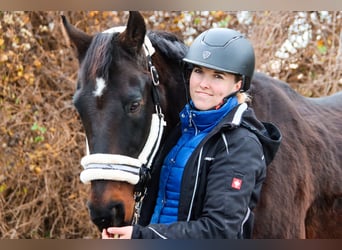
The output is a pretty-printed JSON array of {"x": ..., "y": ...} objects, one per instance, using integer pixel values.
[
  {"x": 197, "y": 70},
  {"x": 135, "y": 106}
]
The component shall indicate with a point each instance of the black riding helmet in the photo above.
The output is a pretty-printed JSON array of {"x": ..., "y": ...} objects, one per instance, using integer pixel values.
[{"x": 225, "y": 50}]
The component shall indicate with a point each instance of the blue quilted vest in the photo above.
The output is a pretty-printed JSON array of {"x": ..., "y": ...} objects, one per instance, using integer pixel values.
[{"x": 195, "y": 126}]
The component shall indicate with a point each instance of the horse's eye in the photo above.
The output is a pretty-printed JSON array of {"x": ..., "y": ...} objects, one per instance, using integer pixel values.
[{"x": 135, "y": 107}]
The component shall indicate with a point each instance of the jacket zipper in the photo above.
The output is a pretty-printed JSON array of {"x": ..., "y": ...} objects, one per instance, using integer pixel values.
[{"x": 195, "y": 186}]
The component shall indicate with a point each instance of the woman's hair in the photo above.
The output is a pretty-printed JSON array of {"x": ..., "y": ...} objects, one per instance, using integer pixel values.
[{"x": 242, "y": 96}]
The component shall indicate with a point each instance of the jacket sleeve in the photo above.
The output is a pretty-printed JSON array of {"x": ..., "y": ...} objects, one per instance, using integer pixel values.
[{"x": 233, "y": 183}]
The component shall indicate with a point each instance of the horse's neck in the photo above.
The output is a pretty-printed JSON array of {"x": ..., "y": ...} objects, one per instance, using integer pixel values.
[
  {"x": 167, "y": 60},
  {"x": 174, "y": 104}
]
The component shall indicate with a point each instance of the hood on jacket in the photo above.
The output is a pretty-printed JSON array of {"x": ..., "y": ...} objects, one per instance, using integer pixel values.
[{"x": 268, "y": 134}]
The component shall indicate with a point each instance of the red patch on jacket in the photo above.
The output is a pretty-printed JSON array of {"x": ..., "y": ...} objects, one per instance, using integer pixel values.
[{"x": 236, "y": 183}]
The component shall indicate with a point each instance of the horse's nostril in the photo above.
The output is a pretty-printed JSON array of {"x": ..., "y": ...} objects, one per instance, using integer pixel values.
[
  {"x": 118, "y": 214},
  {"x": 104, "y": 217},
  {"x": 102, "y": 223}
]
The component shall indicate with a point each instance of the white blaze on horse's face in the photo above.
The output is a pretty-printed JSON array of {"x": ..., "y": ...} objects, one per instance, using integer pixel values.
[{"x": 100, "y": 85}]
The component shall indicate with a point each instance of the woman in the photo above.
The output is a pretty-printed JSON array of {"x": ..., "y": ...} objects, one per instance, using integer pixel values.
[{"x": 212, "y": 166}]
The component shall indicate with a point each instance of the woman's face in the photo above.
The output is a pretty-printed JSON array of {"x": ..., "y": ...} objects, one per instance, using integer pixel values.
[{"x": 208, "y": 87}]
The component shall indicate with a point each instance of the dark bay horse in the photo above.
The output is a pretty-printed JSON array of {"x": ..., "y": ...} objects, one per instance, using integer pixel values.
[{"x": 131, "y": 79}]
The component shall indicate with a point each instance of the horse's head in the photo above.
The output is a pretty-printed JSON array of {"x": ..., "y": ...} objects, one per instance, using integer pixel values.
[{"x": 118, "y": 103}]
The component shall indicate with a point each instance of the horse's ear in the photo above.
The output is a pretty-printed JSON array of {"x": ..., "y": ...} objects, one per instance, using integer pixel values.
[
  {"x": 78, "y": 38},
  {"x": 133, "y": 37}
]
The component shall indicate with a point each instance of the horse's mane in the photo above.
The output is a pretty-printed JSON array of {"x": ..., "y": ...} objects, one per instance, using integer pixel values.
[{"x": 168, "y": 44}]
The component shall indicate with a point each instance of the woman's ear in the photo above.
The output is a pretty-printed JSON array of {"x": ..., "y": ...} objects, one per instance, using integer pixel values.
[{"x": 238, "y": 85}]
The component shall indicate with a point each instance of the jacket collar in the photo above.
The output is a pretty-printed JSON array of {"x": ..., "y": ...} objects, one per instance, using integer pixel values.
[{"x": 205, "y": 120}]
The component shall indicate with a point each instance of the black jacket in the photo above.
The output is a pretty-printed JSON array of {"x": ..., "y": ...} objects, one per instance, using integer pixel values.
[{"x": 221, "y": 182}]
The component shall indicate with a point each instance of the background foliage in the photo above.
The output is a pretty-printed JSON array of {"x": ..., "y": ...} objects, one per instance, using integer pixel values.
[{"x": 41, "y": 137}]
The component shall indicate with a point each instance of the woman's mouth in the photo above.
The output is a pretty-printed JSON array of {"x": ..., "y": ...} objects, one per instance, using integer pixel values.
[{"x": 201, "y": 93}]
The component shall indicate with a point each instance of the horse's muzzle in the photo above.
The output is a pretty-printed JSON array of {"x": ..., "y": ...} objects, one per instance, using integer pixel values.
[{"x": 111, "y": 215}]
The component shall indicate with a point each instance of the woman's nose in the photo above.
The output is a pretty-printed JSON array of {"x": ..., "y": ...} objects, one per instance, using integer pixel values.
[{"x": 204, "y": 82}]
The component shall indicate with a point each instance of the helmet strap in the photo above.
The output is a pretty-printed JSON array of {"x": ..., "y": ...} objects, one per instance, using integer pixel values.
[
  {"x": 224, "y": 100},
  {"x": 243, "y": 84}
]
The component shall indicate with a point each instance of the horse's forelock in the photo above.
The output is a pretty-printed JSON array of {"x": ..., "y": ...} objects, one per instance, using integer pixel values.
[
  {"x": 100, "y": 56},
  {"x": 105, "y": 51}
]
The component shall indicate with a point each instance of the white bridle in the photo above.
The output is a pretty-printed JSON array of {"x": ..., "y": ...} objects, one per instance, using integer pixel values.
[{"x": 120, "y": 167}]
